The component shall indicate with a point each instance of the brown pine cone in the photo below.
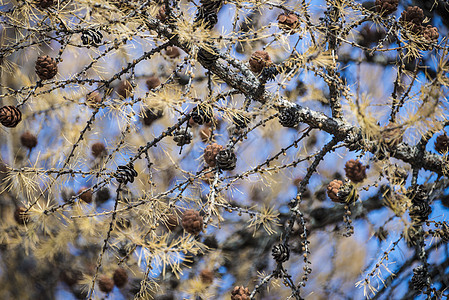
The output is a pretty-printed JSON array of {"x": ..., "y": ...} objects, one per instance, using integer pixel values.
[
  {"x": 105, "y": 284},
  {"x": 46, "y": 67},
  {"x": 98, "y": 149},
  {"x": 10, "y": 116},
  {"x": 192, "y": 222},
  {"x": 355, "y": 170},
  {"x": 332, "y": 189},
  {"x": 442, "y": 143},
  {"x": 341, "y": 192},
  {"x": 28, "y": 140},
  {"x": 259, "y": 60},
  {"x": 210, "y": 153},
  {"x": 120, "y": 277},
  {"x": 288, "y": 21},
  {"x": 45, "y": 3},
  {"x": 86, "y": 196},
  {"x": 207, "y": 276},
  {"x": 413, "y": 18},
  {"x": 125, "y": 89},
  {"x": 430, "y": 34},
  {"x": 386, "y": 7},
  {"x": 240, "y": 293},
  {"x": 172, "y": 52},
  {"x": 153, "y": 82},
  {"x": 20, "y": 216}
]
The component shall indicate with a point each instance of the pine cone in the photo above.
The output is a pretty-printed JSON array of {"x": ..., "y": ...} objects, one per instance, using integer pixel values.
[
  {"x": 281, "y": 253},
  {"x": 46, "y": 67},
  {"x": 201, "y": 115},
  {"x": 208, "y": 56},
  {"x": 172, "y": 52},
  {"x": 211, "y": 242},
  {"x": 125, "y": 174},
  {"x": 28, "y": 140},
  {"x": 172, "y": 222},
  {"x": 420, "y": 212},
  {"x": 414, "y": 234},
  {"x": 98, "y": 149},
  {"x": 102, "y": 195},
  {"x": 120, "y": 277},
  {"x": 420, "y": 279},
  {"x": 413, "y": 18},
  {"x": 430, "y": 34},
  {"x": 211, "y": 5},
  {"x": 182, "y": 137},
  {"x": 240, "y": 293},
  {"x": 125, "y": 89},
  {"x": 269, "y": 73},
  {"x": 192, "y": 222},
  {"x": 418, "y": 195},
  {"x": 86, "y": 196},
  {"x": 91, "y": 37},
  {"x": 259, "y": 60},
  {"x": 153, "y": 82},
  {"x": 151, "y": 115},
  {"x": 420, "y": 209},
  {"x": 105, "y": 284},
  {"x": 226, "y": 159},
  {"x": 442, "y": 143},
  {"x": 386, "y": 7},
  {"x": 341, "y": 192},
  {"x": 43, "y": 4},
  {"x": 288, "y": 21},
  {"x": 20, "y": 216},
  {"x": 289, "y": 117},
  {"x": 207, "y": 13},
  {"x": 210, "y": 153},
  {"x": 207, "y": 276},
  {"x": 355, "y": 171},
  {"x": 10, "y": 116}
]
